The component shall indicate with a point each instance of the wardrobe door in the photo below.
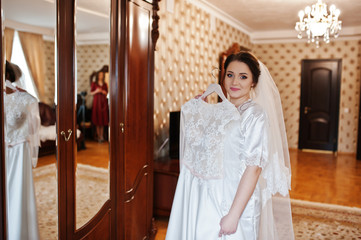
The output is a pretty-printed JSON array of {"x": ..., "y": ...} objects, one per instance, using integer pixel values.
[
  {"x": 138, "y": 115},
  {"x": 98, "y": 224}
]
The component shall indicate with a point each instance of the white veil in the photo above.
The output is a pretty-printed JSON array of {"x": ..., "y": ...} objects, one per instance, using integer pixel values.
[{"x": 276, "y": 219}]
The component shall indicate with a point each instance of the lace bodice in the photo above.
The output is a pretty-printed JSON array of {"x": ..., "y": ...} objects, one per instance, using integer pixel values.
[
  {"x": 203, "y": 133},
  {"x": 22, "y": 121}
]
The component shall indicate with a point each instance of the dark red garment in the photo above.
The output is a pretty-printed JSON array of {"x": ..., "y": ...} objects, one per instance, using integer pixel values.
[{"x": 100, "y": 106}]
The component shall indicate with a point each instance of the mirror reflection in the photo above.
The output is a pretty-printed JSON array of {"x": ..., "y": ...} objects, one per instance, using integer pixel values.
[
  {"x": 30, "y": 120},
  {"x": 30, "y": 46},
  {"x": 92, "y": 112}
]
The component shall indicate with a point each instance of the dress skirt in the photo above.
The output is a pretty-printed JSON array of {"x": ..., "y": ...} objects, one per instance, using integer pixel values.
[
  {"x": 199, "y": 205},
  {"x": 21, "y": 208}
]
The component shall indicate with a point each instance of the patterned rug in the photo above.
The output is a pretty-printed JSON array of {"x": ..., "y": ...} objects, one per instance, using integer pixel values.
[
  {"x": 91, "y": 192},
  {"x": 311, "y": 221}
]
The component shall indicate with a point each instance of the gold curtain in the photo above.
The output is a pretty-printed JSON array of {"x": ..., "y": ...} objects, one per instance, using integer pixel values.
[
  {"x": 33, "y": 47},
  {"x": 9, "y": 38}
]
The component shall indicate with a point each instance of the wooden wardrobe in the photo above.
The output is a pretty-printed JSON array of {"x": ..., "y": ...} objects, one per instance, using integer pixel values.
[{"x": 127, "y": 214}]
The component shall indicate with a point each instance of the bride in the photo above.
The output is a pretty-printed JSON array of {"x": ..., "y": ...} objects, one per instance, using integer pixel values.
[{"x": 234, "y": 163}]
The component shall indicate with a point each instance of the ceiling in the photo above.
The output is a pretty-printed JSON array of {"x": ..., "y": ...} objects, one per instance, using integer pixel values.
[
  {"x": 266, "y": 15},
  {"x": 256, "y": 17}
]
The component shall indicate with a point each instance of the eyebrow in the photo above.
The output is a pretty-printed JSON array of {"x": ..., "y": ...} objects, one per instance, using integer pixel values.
[{"x": 239, "y": 73}]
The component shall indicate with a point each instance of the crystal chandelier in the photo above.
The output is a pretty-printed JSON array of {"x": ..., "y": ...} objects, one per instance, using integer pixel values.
[{"x": 318, "y": 23}]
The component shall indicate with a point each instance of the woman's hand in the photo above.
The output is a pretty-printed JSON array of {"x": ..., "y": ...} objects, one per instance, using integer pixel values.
[{"x": 228, "y": 225}]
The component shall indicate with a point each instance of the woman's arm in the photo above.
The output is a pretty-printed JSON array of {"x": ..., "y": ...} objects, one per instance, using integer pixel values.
[
  {"x": 244, "y": 192},
  {"x": 94, "y": 89}
]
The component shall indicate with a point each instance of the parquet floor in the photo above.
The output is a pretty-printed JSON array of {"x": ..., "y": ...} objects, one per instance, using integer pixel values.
[
  {"x": 318, "y": 177},
  {"x": 95, "y": 154}
]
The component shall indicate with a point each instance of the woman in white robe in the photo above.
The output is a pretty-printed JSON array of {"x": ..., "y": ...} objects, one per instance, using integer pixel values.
[
  {"x": 22, "y": 123},
  {"x": 234, "y": 175}
]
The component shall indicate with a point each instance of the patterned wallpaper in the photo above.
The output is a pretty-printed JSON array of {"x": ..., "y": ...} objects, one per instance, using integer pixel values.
[
  {"x": 284, "y": 63},
  {"x": 187, "y": 50},
  {"x": 89, "y": 58},
  {"x": 49, "y": 86}
]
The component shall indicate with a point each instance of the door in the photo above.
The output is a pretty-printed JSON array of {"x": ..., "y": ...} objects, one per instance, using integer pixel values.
[
  {"x": 319, "y": 107},
  {"x": 138, "y": 121},
  {"x": 358, "y": 154}
]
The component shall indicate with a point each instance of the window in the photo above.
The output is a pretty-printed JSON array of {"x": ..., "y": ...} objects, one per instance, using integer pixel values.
[{"x": 26, "y": 81}]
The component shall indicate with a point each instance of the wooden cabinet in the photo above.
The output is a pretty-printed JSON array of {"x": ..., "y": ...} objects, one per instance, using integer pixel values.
[
  {"x": 166, "y": 172},
  {"x": 128, "y": 212}
]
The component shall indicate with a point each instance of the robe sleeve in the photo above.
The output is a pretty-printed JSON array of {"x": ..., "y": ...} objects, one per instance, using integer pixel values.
[
  {"x": 34, "y": 127},
  {"x": 93, "y": 87},
  {"x": 256, "y": 140}
]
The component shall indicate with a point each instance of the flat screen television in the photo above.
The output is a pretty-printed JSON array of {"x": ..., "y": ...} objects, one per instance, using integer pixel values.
[{"x": 174, "y": 120}]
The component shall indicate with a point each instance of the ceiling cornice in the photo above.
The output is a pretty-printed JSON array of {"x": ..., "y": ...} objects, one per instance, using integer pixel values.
[
  {"x": 347, "y": 33},
  {"x": 256, "y": 37},
  {"x": 48, "y": 34}
]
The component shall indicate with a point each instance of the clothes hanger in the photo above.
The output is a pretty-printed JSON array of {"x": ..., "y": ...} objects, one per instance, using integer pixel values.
[{"x": 214, "y": 87}]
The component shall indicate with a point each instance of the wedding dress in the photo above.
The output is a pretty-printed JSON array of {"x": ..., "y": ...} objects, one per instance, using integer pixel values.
[
  {"x": 22, "y": 123},
  {"x": 217, "y": 143}
]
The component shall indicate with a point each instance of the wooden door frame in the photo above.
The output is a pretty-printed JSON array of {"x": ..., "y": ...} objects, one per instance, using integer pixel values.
[
  {"x": 3, "y": 226},
  {"x": 118, "y": 92},
  {"x": 65, "y": 53},
  {"x": 66, "y": 152},
  {"x": 338, "y": 85},
  {"x": 358, "y": 150}
]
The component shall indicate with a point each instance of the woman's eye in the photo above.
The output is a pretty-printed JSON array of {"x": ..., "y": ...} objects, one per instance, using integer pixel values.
[
  {"x": 243, "y": 77},
  {"x": 229, "y": 75}
]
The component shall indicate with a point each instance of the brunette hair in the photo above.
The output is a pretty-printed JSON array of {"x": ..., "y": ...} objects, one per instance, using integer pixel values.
[
  {"x": 247, "y": 58},
  {"x": 12, "y": 71}
]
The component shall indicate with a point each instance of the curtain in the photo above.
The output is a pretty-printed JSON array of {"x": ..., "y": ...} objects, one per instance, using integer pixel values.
[
  {"x": 33, "y": 48},
  {"x": 9, "y": 38}
]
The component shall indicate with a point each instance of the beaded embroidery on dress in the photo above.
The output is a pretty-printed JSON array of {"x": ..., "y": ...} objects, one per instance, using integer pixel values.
[{"x": 204, "y": 133}]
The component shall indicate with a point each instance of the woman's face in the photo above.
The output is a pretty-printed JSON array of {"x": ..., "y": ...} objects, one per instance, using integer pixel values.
[
  {"x": 101, "y": 77},
  {"x": 238, "y": 82}
]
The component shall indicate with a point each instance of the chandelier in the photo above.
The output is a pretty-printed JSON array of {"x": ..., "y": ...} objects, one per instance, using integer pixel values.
[{"x": 318, "y": 23}]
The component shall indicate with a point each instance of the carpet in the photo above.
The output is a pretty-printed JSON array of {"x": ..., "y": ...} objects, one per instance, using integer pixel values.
[
  {"x": 311, "y": 221},
  {"x": 91, "y": 192},
  {"x": 316, "y": 221}
]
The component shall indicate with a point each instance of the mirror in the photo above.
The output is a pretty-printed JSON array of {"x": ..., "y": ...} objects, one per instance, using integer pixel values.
[
  {"x": 29, "y": 43},
  {"x": 92, "y": 111}
]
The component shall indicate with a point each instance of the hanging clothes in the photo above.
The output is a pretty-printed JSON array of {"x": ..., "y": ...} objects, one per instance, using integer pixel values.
[{"x": 22, "y": 124}]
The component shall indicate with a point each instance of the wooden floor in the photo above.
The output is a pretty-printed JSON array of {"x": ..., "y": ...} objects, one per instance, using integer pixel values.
[
  {"x": 95, "y": 154},
  {"x": 317, "y": 177},
  {"x": 326, "y": 178}
]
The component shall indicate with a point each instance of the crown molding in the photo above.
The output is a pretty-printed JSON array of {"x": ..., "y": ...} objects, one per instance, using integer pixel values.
[
  {"x": 257, "y": 37},
  {"x": 29, "y": 28},
  {"x": 48, "y": 34},
  {"x": 93, "y": 38},
  {"x": 347, "y": 33}
]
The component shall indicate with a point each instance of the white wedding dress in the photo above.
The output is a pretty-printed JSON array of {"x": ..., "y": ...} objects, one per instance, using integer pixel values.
[
  {"x": 217, "y": 143},
  {"x": 22, "y": 123}
]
